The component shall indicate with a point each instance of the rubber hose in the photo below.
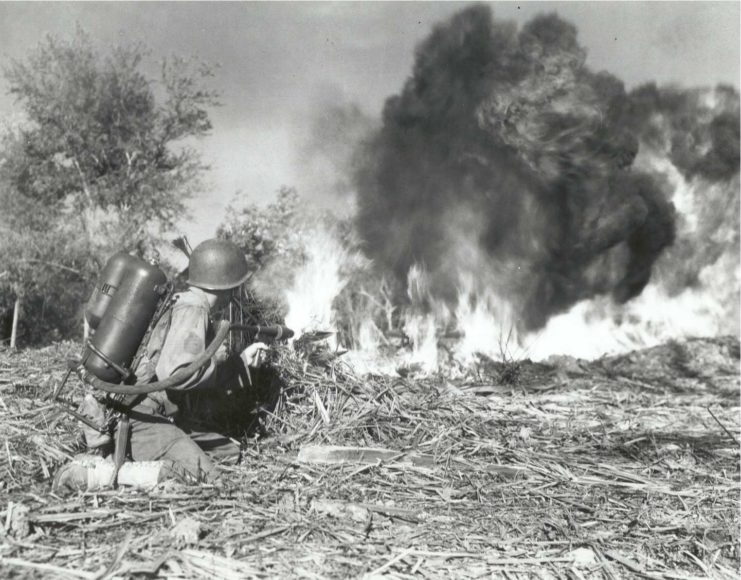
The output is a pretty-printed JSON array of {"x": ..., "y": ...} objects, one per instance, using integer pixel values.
[{"x": 176, "y": 378}]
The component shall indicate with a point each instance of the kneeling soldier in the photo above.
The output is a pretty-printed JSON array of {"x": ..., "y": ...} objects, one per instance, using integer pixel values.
[{"x": 161, "y": 427}]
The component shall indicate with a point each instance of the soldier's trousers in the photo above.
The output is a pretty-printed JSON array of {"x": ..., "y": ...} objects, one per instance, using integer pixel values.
[{"x": 188, "y": 454}]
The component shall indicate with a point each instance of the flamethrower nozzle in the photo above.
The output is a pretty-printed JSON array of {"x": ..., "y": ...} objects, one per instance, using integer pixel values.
[{"x": 259, "y": 333}]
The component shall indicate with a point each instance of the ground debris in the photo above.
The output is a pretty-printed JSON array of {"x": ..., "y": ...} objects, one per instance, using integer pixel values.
[
  {"x": 622, "y": 467},
  {"x": 18, "y": 524},
  {"x": 334, "y": 454},
  {"x": 186, "y": 532}
]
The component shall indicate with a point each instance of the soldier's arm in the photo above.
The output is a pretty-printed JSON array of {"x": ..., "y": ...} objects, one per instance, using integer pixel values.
[{"x": 185, "y": 341}]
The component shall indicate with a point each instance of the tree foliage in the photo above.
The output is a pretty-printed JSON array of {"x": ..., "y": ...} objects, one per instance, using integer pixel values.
[
  {"x": 266, "y": 233},
  {"x": 271, "y": 237},
  {"x": 103, "y": 160}
]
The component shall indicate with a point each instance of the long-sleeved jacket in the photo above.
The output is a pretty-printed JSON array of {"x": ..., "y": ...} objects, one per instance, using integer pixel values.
[
  {"x": 177, "y": 340},
  {"x": 186, "y": 339}
]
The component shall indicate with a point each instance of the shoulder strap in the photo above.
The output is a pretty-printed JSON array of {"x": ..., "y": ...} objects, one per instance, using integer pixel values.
[
  {"x": 152, "y": 342},
  {"x": 146, "y": 363}
]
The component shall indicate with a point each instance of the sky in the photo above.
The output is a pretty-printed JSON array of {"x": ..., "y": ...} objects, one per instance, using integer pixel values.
[{"x": 280, "y": 61}]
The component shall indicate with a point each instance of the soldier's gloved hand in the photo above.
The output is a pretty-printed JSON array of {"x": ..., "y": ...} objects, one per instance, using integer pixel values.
[{"x": 254, "y": 354}]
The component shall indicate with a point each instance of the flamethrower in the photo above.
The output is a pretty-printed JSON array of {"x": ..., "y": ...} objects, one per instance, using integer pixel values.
[
  {"x": 129, "y": 299},
  {"x": 123, "y": 320},
  {"x": 257, "y": 333}
]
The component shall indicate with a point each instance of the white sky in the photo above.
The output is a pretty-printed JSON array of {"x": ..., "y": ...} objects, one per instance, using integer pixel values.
[{"x": 278, "y": 59}]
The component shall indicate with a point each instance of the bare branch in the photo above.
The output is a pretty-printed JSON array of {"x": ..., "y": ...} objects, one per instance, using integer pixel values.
[{"x": 52, "y": 264}]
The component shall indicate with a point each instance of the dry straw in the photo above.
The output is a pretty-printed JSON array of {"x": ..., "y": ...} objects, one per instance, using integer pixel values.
[{"x": 611, "y": 469}]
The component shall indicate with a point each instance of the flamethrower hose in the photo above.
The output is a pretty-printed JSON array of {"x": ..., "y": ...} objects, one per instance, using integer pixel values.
[{"x": 176, "y": 378}]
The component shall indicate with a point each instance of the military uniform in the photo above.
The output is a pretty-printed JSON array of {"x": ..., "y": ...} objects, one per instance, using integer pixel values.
[
  {"x": 161, "y": 431},
  {"x": 161, "y": 428}
]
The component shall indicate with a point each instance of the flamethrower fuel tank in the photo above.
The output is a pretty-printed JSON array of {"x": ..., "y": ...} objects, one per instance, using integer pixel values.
[
  {"x": 124, "y": 314},
  {"x": 108, "y": 282}
]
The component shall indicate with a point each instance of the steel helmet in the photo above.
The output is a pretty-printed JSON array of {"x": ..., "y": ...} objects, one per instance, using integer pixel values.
[{"x": 217, "y": 265}]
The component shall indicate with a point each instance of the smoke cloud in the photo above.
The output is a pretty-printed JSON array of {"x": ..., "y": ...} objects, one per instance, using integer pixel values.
[
  {"x": 505, "y": 160},
  {"x": 326, "y": 147}
]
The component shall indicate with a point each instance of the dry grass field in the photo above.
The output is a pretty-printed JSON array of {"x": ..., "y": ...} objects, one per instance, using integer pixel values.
[{"x": 625, "y": 467}]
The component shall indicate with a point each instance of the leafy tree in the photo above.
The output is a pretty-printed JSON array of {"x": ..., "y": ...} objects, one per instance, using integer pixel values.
[
  {"x": 103, "y": 161},
  {"x": 46, "y": 273},
  {"x": 271, "y": 237},
  {"x": 267, "y": 233}
]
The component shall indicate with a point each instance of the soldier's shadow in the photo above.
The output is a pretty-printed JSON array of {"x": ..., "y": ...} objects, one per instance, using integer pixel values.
[{"x": 236, "y": 406}]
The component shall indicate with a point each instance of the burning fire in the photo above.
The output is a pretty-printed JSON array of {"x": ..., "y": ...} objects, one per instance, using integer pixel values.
[
  {"x": 317, "y": 283},
  {"x": 517, "y": 232},
  {"x": 485, "y": 322}
]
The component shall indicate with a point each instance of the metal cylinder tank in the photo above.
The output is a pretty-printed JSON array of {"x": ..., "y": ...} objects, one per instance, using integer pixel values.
[
  {"x": 108, "y": 282},
  {"x": 125, "y": 321}
]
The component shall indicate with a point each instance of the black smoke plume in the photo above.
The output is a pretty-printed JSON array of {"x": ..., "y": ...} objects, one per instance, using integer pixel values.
[{"x": 505, "y": 158}]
